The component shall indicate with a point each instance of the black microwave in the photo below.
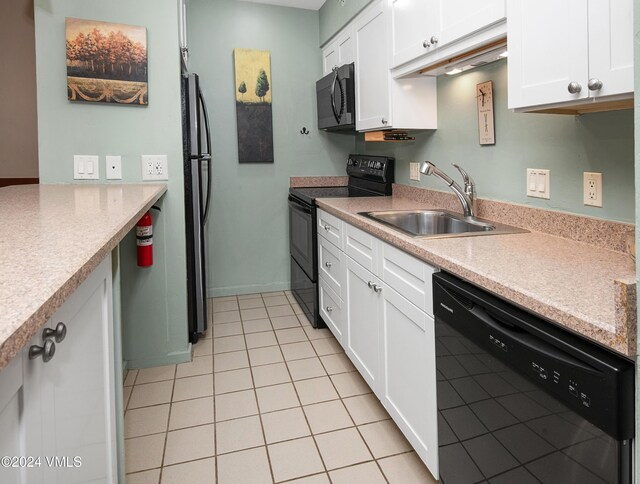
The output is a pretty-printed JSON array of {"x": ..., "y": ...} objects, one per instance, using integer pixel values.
[{"x": 336, "y": 98}]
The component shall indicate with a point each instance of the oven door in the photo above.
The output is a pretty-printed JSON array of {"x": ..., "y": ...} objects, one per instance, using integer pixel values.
[
  {"x": 306, "y": 293},
  {"x": 302, "y": 236}
]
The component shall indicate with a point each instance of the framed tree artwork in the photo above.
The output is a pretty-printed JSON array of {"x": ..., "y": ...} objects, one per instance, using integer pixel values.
[
  {"x": 253, "y": 105},
  {"x": 106, "y": 62}
]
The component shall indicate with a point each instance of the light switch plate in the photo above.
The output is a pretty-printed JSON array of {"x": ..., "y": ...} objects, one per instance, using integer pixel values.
[
  {"x": 113, "y": 166},
  {"x": 538, "y": 183},
  {"x": 414, "y": 171},
  {"x": 86, "y": 167},
  {"x": 154, "y": 167}
]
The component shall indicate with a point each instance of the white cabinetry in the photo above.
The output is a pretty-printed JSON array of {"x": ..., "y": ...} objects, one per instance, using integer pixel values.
[
  {"x": 384, "y": 321},
  {"x": 409, "y": 368},
  {"x": 569, "y": 53},
  {"x": 67, "y": 404},
  {"x": 339, "y": 51},
  {"x": 382, "y": 102},
  {"x": 364, "y": 320},
  {"x": 426, "y": 32}
]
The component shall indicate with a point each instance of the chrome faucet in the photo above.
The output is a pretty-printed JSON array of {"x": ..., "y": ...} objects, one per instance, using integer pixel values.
[{"x": 467, "y": 196}]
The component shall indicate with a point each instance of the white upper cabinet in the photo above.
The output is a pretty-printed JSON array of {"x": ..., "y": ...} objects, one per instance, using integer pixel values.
[
  {"x": 569, "y": 52},
  {"x": 383, "y": 102},
  {"x": 412, "y": 21},
  {"x": 425, "y": 32},
  {"x": 373, "y": 102},
  {"x": 340, "y": 51}
]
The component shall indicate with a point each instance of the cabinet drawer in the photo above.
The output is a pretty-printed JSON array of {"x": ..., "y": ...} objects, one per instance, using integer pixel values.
[
  {"x": 331, "y": 266},
  {"x": 362, "y": 247},
  {"x": 331, "y": 311},
  {"x": 409, "y": 276},
  {"x": 331, "y": 228}
]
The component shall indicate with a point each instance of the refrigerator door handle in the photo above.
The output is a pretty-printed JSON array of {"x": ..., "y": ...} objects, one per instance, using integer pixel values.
[{"x": 206, "y": 156}]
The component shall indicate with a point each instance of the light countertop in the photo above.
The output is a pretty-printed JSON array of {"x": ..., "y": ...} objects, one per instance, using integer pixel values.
[
  {"x": 51, "y": 238},
  {"x": 586, "y": 289}
]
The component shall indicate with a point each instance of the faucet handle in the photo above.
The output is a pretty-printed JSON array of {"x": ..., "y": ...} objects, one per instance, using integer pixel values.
[{"x": 468, "y": 181}]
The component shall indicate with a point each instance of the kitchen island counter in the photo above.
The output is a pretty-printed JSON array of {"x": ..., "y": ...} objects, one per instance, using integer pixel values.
[{"x": 51, "y": 238}]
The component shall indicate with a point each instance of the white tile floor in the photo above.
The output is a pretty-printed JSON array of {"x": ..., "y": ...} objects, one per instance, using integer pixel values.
[{"x": 267, "y": 398}]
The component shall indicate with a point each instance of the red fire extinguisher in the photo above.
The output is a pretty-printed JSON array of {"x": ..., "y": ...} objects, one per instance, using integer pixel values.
[{"x": 144, "y": 240}]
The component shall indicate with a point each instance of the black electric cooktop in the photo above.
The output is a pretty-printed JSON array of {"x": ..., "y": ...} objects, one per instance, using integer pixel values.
[{"x": 309, "y": 194}]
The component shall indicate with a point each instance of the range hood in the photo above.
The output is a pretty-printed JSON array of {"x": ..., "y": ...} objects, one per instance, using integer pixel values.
[{"x": 481, "y": 56}]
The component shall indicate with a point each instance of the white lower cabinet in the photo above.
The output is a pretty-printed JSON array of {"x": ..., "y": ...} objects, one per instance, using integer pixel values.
[
  {"x": 66, "y": 406},
  {"x": 408, "y": 365},
  {"x": 364, "y": 322},
  {"x": 385, "y": 324}
]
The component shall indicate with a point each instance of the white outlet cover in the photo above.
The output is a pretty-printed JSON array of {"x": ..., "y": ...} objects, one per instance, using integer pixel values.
[
  {"x": 414, "y": 171},
  {"x": 154, "y": 167},
  {"x": 113, "y": 167},
  {"x": 86, "y": 167},
  {"x": 592, "y": 189}
]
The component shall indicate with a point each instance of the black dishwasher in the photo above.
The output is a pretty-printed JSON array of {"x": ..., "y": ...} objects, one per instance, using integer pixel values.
[{"x": 521, "y": 400}]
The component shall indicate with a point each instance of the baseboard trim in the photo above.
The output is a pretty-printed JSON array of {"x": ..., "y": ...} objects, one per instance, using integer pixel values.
[
  {"x": 248, "y": 289},
  {"x": 170, "y": 359}
]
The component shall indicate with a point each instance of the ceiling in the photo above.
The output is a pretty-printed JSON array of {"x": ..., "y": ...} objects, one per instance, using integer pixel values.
[{"x": 308, "y": 4}]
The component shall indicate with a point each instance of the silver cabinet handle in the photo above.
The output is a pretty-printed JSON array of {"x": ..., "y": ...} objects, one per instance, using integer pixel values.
[
  {"x": 384, "y": 121},
  {"x": 594, "y": 84},
  {"x": 434, "y": 39},
  {"x": 377, "y": 288},
  {"x": 426, "y": 44},
  {"x": 574, "y": 87},
  {"x": 59, "y": 334},
  {"x": 47, "y": 350},
  {"x": 327, "y": 227},
  {"x": 327, "y": 264},
  {"x": 370, "y": 284},
  {"x": 329, "y": 309}
]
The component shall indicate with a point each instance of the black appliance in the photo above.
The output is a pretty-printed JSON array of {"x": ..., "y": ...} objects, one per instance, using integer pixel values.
[
  {"x": 336, "y": 98},
  {"x": 523, "y": 400},
  {"x": 369, "y": 176},
  {"x": 196, "y": 142}
]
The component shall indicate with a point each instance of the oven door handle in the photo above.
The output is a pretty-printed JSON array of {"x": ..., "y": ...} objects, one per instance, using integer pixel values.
[{"x": 294, "y": 204}]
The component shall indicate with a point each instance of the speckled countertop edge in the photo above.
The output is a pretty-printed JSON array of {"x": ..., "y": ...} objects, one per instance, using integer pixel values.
[
  {"x": 616, "y": 330},
  {"x": 318, "y": 181},
  {"x": 14, "y": 338}
]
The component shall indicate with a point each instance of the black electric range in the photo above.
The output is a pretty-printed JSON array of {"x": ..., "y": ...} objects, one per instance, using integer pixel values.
[{"x": 369, "y": 176}]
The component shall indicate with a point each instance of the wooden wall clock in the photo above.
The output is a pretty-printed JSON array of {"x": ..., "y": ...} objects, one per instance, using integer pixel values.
[{"x": 484, "y": 99}]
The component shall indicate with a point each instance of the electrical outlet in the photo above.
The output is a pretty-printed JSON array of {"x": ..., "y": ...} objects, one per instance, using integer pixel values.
[
  {"x": 154, "y": 167},
  {"x": 113, "y": 166},
  {"x": 538, "y": 183},
  {"x": 414, "y": 171},
  {"x": 86, "y": 167},
  {"x": 593, "y": 189}
]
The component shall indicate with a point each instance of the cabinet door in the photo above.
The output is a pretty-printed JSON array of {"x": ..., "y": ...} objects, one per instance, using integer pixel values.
[
  {"x": 409, "y": 371},
  {"x": 329, "y": 58},
  {"x": 611, "y": 46},
  {"x": 363, "y": 322},
  {"x": 413, "y": 22},
  {"x": 331, "y": 310},
  {"x": 346, "y": 46},
  {"x": 548, "y": 49},
  {"x": 373, "y": 99},
  {"x": 78, "y": 386},
  {"x": 460, "y": 18}
]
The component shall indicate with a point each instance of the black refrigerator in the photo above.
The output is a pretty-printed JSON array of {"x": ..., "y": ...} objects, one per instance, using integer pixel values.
[{"x": 196, "y": 140}]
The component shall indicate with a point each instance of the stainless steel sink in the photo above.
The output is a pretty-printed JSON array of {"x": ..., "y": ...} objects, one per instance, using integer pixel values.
[{"x": 439, "y": 223}]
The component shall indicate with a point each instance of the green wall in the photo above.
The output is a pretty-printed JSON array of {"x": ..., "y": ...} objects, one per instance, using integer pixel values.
[
  {"x": 334, "y": 16},
  {"x": 154, "y": 307},
  {"x": 248, "y": 229},
  {"x": 566, "y": 145}
]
